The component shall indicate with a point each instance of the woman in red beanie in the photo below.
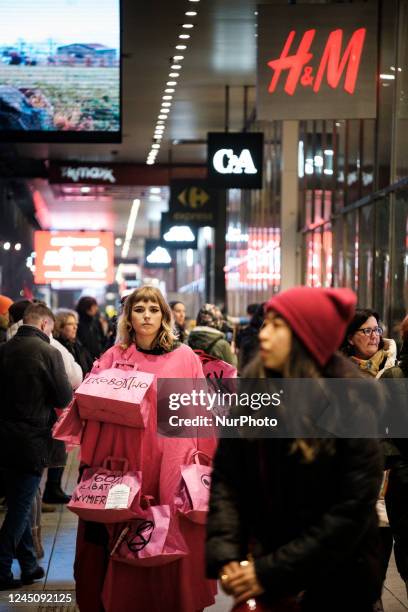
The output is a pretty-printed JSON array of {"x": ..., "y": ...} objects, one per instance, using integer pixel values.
[{"x": 295, "y": 526}]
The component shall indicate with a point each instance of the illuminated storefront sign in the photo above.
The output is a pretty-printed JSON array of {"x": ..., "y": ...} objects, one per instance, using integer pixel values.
[
  {"x": 316, "y": 62},
  {"x": 192, "y": 203},
  {"x": 156, "y": 254},
  {"x": 235, "y": 160},
  {"x": 73, "y": 258},
  {"x": 177, "y": 236}
]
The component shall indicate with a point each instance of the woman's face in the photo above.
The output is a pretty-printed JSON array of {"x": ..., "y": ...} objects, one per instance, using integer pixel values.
[
  {"x": 69, "y": 331},
  {"x": 275, "y": 342},
  {"x": 366, "y": 346},
  {"x": 146, "y": 319}
]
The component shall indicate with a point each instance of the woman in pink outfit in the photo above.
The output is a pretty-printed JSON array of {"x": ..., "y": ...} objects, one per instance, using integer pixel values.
[{"x": 145, "y": 337}]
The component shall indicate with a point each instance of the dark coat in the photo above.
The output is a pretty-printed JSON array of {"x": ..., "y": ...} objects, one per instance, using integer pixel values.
[
  {"x": 33, "y": 382},
  {"x": 79, "y": 353},
  {"x": 310, "y": 526},
  {"x": 213, "y": 342},
  {"x": 90, "y": 334}
]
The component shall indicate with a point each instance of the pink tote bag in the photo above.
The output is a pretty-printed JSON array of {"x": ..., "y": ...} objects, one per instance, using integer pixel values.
[
  {"x": 106, "y": 495},
  {"x": 69, "y": 426},
  {"x": 214, "y": 367},
  {"x": 194, "y": 493},
  {"x": 116, "y": 396},
  {"x": 151, "y": 540}
]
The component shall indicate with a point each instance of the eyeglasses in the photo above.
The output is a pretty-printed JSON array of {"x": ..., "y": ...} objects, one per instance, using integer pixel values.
[{"x": 367, "y": 331}]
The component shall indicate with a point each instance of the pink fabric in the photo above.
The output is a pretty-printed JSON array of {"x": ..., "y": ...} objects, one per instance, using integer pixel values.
[
  {"x": 214, "y": 367},
  {"x": 115, "y": 395},
  {"x": 151, "y": 540},
  {"x": 69, "y": 426},
  {"x": 176, "y": 587},
  {"x": 92, "y": 495},
  {"x": 193, "y": 497}
]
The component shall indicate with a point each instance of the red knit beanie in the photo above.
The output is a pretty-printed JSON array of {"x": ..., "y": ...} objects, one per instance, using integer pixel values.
[{"x": 318, "y": 317}]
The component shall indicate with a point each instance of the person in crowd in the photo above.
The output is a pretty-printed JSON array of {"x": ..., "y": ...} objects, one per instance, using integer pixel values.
[
  {"x": 145, "y": 338},
  {"x": 16, "y": 313},
  {"x": 5, "y": 303},
  {"x": 178, "y": 310},
  {"x": 208, "y": 337},
  {"x": 248, "y": 338},
  {"x": 33, "y": 383},
  {"x": 365, "y": 345},
  {"x": 90, "y": 332},
  {"x": 293, "y": 521},
  {"x": 396, "y": 497},
  {"x": 65, "y": 331}
]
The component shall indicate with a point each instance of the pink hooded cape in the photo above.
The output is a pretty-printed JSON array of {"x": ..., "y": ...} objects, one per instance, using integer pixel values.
[{"x": 114, "y": 587}]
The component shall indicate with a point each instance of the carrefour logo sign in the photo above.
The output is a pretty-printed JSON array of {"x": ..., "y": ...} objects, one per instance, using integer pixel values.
[{"x": 235, "y": 160}]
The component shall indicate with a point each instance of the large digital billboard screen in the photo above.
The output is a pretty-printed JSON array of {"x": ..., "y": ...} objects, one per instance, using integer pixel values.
[
  {"x": 73, "y": 258},
  {"x": 60, "y": 70}
]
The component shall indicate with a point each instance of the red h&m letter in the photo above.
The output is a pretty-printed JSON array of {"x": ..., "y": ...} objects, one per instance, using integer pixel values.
[
  {"x": 293, "y": 63},
  {"x": 335, "y": 65}
]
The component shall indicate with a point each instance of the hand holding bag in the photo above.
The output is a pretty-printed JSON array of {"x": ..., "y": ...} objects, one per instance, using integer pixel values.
[
  {"x": 107, "y": 496},
  {"x": 151, "y": 540},
  {"x": 116, "y": 396},
  {"x": 194, "y": 493}
]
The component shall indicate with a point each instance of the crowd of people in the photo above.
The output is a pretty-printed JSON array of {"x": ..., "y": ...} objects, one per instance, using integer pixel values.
[{"x": 294, "y": 524}]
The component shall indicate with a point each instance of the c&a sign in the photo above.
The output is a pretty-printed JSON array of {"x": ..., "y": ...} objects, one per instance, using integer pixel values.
[
  {"x": 235, "y": 160},
  {"x": 317, "y": 61}
]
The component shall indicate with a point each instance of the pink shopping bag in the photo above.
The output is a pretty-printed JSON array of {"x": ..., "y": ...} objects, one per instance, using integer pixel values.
[
  {"x": 106, "y": 495},
  {"x": 116, "y": 396},
  {"x": 194, "y": 493},
  {"x": 151, "y": 540},
  {"x": 69, "y": 426},
  {"x": 214, "y": 367}
]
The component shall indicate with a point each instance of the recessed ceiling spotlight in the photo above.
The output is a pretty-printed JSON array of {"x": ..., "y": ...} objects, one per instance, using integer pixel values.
[
  {"x": 169, "y": 90},
  {"x": 166, "y": 104},
  {"x": 165, "y": 110},
  {"x": 167, "y": 97},
  {"x": 194, "y": 0},
  {"x": 175, "y": 67},
  {"x": 160, "y": 122},
  {"x": 158, "y": 136},
  {"x": 188, "y": 26},
  {"x": 160, "y": 127},
  {"x": 178, "y": 58},
  {"x": 150, "y": 162},
  {"x": 181, "y": 47},
  {"x": 162, "y": 117},
  {"x": 155, "y": 190},
  {"x": 191, "y": 13},
  {"x": 174, "y": 75},
  {"x": 171, "y": 83},
  {"x": 155, "y": 146},
  {"x": 184, "y": 36}
]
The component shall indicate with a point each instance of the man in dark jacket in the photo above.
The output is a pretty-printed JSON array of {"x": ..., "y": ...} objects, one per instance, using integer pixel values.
[{"x": 33, "y": 382}]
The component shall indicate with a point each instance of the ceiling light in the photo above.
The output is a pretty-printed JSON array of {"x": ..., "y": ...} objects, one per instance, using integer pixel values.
[
  {"x": 169, "y": 90},
  {"x": 184, "y": 36},
  {"x": 171, "y": 83},
  {"x": 191, "y": 13},
  {"x": 194, "y": 0},
  {"x": 155, "y": 190},
  {"x": 166, "y": 104},
  {"x": 176, "y": 67},
  {"x": 160, "y": 122},
  {"x": 17, "y": 246},
  {"x": 6, "y": 246},
  {"x": 187, "y": 26},
  {"x": 181, "y": 47},
  {"x": 150, "y": 162},
  {"x": 155, "y": 198},
  {"x": 118, "y": 241},
  {"x": 161, "y": 117},
  {"x": 158, "y": 136},
  {"x": 178, "y": 58},
  {"x": 165, "y": 110},
  {"x": 167, "y": 97},
  {"x": 130, "y": 226},
  {"x": 155, "y": 146},
  {"x": 174, "y": 75},
  {"x": 160, "y": 128}
]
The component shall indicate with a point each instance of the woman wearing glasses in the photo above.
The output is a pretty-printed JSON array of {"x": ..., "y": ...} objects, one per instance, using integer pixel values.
[
  {"x": 373, "y": 354},
  {"x": 365, "y": 345}
]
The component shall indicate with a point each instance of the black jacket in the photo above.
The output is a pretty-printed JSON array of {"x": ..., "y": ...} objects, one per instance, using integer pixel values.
[
  {"x": 310, "y": 526},
  {"x": 90, "y": 334},
  {"x": 79, "y": 353},
  {"x": 33, "y": 382}
]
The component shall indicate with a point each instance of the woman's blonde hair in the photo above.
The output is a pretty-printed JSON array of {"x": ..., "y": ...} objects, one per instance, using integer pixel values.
[
  {"x": 61, "y": 317},
  {"x": 165, "y": 338}
]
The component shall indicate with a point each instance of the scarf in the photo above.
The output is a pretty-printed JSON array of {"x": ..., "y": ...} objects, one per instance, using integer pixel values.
[{"x": 372, "y": 365}]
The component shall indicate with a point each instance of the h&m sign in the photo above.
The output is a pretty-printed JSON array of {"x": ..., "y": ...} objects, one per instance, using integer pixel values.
[
  {"x": 317, "y": 61},
  {"x": 235, "y": 160}
]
